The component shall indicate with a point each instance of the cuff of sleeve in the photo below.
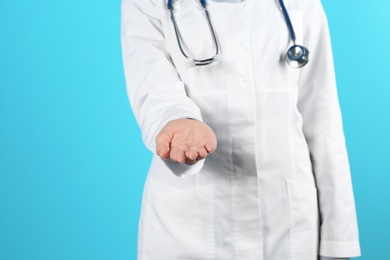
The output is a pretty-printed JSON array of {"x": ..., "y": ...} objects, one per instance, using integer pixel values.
[
  {"x": 332, "y": 258},
  {"x": 340, "y": 248},
  {"x": 183, "y": 170}
]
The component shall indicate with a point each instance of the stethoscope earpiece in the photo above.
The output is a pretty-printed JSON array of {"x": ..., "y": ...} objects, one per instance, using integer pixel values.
[{"x": 297, "y": 56}]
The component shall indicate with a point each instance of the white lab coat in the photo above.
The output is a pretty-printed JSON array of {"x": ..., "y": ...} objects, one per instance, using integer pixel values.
[{"x": 278, "y": 186}]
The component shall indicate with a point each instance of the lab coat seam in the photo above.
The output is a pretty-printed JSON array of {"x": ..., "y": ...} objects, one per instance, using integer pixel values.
[
  {"x": 145, "y": 214},
  {"x": 257, "y": 181},
  {"x": 232, "y": 180},
  {"x": 261, "y": 224},
  {"x": 229, "y": 130},
  {"x": 251, "y": 47},
  {"x": 235, "y": 228},
  {"x": 195, "y": 94},
  {"x": 290, "y": 203},
  {"x": 232, "y": 191},
  {"x": 339, "y": 241},
  {"x": 273, "y": 90},
  {"x": 229, "y": 3},
  {"x": 212, "y": 225},
  {"x": 290, "y": 139},
  {"x": 256, "y": 153}
]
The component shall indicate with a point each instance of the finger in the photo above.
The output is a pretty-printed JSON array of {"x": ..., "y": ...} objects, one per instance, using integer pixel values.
[
  {"x": 211, "y": 147},
  {"x": 177, "y": 155},
  {"x": 191, "y": 155},
  {"x": 191, "y": 162},
  {"x": 163, "y": 151},
  {"x": 202, "y": 153},
  {"x": 162, "y": 146}
]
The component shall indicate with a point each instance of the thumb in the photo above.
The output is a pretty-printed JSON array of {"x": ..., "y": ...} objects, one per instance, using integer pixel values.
[{"x": 163, "y": 146}]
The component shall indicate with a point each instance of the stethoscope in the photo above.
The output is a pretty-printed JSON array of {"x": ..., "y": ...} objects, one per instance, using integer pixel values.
[{"x": 297, "y": 56}]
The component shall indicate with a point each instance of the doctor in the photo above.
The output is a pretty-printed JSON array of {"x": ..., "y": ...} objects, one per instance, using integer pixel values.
[{"x": 250, "y": 158}]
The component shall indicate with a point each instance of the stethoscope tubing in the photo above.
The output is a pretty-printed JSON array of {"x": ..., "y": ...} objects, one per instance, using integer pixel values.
[
  {"x": 288, "y": 21},
  {"x": 295, "y": 61},
  {"x": 195, "y": 62}
]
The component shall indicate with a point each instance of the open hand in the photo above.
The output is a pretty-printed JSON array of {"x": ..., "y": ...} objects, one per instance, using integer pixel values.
[{"x": 185, "y": 141}]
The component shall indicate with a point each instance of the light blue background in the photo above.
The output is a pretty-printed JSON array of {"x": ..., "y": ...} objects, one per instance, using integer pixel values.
[{"x": 72, "y": 164}]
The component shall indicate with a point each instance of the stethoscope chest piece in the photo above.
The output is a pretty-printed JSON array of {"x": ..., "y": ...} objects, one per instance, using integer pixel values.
[{"x": 297, "y": 56}]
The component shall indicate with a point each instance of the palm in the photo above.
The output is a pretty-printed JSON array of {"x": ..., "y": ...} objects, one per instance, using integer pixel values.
[{"x": 185, "y": 141}]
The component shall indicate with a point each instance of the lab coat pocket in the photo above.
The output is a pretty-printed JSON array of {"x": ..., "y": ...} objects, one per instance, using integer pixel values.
[
  {"x": 179, "y": 224},
  {"x": 304, "y": 220}
]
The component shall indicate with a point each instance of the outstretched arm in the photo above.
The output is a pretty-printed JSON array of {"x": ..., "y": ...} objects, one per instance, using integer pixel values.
[{"x": 155, "y": 91}]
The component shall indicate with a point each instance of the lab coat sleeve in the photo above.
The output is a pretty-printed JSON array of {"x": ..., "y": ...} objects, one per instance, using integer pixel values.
[
  {"x": 322, "y": 126},
  {"x": 154, "y": 88}
]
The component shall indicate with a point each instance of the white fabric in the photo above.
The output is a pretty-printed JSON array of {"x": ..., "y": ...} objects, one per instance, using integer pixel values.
[
  {"x": 332, "y": 258},
  {"x": 279, "y": 180},
  {"x": 228, "y": 1}
]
